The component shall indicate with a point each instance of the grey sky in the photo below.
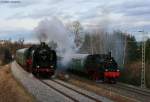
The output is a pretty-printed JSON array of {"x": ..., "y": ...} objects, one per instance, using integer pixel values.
[{"x": 126, "y": 15}]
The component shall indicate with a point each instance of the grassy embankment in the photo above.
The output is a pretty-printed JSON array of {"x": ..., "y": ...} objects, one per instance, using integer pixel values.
[{"x": 10, "y": 89}]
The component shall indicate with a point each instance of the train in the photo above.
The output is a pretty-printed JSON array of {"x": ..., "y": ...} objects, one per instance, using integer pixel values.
[
  {"x": 42, "y": 60},
  {"x": 38, "y": 59},
  {"x": 95, "y": 66}
]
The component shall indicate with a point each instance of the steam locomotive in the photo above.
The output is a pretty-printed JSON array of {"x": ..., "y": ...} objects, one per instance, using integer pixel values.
[
  {"x": 38, "y": 59},
  {"x": 42, "y": 60},
  {"x": 95, "y": 66}
]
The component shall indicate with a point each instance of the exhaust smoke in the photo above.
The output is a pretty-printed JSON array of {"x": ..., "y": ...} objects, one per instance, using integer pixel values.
[{"x": 53, "y": 30}]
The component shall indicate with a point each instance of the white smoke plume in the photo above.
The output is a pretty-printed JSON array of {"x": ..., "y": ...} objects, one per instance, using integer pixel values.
[
  {"x": 54, "y": 30},
  {"x": 101, "y": 41}
]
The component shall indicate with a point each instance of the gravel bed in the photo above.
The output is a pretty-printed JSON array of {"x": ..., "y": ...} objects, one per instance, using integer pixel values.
[
  {"x": 69, "y": 92},
  {"x": 39, "y": 90},
  {"x": 103, "y": 99}
]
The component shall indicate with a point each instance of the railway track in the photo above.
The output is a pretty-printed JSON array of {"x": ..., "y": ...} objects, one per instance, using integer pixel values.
[
  {"x": 127, "y": 87},
  {"x": 63, "y": 93},
  {"x": 127, "y": 91},
  {"x": 76, "y": 94},
  {"x": 133, "y": 89},
  {"x": 54, "y": 90},
  {"x": 72, "y": 92},
  {"x": 132, "y": 92}
]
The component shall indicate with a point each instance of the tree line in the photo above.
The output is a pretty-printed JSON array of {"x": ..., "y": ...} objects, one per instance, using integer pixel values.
[{"x": 124, "y": 47}]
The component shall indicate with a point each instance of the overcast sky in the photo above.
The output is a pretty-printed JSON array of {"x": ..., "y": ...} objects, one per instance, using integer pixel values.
[{"x": 19, "y": 17}]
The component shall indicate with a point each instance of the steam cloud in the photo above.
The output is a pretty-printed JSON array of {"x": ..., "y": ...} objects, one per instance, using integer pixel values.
[
  {"x": 105, "y": 42},
  {"x": 53, "y": 30}
]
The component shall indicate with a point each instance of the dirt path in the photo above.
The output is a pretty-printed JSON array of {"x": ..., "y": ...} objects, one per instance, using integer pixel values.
[{"x": 10, "y": 89}]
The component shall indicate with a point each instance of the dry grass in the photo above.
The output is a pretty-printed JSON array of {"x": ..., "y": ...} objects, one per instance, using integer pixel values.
[
  {"x": 148, "y": 75},
  {"x": 131, "y": 74},
  {"x": 10, "y": 89}
]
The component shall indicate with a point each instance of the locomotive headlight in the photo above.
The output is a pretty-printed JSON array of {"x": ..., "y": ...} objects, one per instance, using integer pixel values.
[
  {"x": 37, "y": 66},
  {"x": 106, "y": 70},
  {"x": 52, "y": 66},
  {"x": 118, "y": 70}
]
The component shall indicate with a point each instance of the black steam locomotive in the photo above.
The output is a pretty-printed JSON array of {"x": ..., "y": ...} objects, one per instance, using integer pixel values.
[
  {"x": 38, "y": 59},
  {"x": 95, "y": 66}
]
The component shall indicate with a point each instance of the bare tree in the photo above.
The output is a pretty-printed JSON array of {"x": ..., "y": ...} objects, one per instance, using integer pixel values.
[{"x": 77, "y": 29}]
